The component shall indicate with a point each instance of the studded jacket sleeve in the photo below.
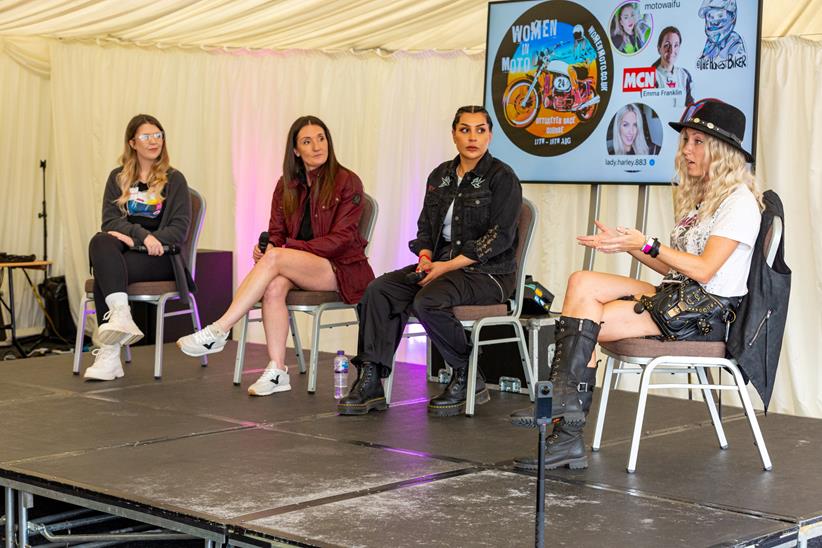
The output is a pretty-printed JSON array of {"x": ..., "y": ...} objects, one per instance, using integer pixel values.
[{"x": 506, "y": 203}]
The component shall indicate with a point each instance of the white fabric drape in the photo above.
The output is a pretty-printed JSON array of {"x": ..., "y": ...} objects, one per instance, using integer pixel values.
[
  {"x": 328, "y": 25},
  {"x": 227, "y": 114},
  {"x": 25, "y": 139},
  {"x": 790, "y": 139}
]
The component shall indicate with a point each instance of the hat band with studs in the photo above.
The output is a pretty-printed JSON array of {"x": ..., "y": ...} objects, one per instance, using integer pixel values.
[{"x": 717, "y": 129}]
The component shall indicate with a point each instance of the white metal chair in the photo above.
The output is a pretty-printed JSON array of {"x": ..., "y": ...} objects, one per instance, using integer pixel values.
[
  {"x": 315, "y": 304},
  {"x": 155, "y": 293},
  {"x": 648, "y": 356},
  {"x": 474, "y": 318}
]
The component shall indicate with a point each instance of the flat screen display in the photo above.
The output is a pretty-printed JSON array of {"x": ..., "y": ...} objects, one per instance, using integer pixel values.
[{"x": 582, "y": 91}]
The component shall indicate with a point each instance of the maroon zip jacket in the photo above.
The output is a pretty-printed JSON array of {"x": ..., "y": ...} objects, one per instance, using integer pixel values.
[{"x": 335, "y": 228}]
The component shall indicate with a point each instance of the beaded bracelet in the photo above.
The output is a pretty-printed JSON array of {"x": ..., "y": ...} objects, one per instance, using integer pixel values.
[{"x": 654, "y": 249}]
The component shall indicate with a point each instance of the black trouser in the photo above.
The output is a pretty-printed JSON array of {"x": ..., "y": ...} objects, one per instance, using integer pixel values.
[
  {"x": 391, "y": 298},
  {"x": 115, "y": 266}
]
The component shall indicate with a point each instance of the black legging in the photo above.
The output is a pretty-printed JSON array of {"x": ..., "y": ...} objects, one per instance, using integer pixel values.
[{"x": 116, "y": 266}]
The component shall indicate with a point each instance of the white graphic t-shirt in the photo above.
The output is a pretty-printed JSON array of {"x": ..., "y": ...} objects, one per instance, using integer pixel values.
[{"x": 737, "y": 218}]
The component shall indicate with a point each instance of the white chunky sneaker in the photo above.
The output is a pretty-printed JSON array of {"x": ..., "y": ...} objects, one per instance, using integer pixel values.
[
  {"x": 272, "y": 380},
  {"x": 107, "y": 365},
  {"x": 119, "y": 327},
  {"x": 205, "y": 341}
]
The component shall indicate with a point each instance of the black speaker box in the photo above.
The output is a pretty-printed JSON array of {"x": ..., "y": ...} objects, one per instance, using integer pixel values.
[
  {"x": 55, "y": 298},
  {"x": 214, "y": 277}
]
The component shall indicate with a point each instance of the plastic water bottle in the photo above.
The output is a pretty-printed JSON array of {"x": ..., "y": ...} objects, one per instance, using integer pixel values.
[{"x": 340, "y": 375}]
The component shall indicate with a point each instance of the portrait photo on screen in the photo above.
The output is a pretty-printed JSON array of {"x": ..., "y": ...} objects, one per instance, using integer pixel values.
[
  {"x": 630, "y": 29},
  {"x": 670, "y": 75},
  {"x": 582, "y": 91},
  {"x": 635, "y": 130}
]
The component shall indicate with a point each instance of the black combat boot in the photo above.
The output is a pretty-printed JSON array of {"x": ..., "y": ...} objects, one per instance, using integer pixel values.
[
  {"x": 452, "y": 400},
  {"x": 572, "y": 378},
  {"x": 564, "y": 447},
  {"x": 366, "y": 392}
]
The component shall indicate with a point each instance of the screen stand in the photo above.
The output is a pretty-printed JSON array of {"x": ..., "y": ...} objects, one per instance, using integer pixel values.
[
  {"x": 593, "y": 215},
  {"x": 643, "y": 193}
]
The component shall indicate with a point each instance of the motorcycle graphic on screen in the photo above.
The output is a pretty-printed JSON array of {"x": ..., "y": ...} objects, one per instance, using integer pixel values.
[{"x": 552, "y": 86}]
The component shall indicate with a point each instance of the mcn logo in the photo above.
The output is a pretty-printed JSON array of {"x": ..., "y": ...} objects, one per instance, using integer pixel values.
[{"x": 637, "y": 79}]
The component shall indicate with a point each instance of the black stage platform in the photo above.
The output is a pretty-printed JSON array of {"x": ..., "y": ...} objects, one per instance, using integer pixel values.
[{"x": 193, "y": 453}]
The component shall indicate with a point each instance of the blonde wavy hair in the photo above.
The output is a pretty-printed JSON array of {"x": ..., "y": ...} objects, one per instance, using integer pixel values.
[
  {"x": 727, "y": 168},
  {"x": 130, "y": 174}
]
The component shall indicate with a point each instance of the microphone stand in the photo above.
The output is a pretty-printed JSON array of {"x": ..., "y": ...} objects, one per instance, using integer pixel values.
[
  {"x": 544, "y": 394},
  {"x": 43, "y": 215},
  {"x": 540, "y": 513}
]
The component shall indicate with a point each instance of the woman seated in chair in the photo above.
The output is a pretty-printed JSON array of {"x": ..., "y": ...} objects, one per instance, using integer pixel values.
[
  {"x": 314, "y": 244},
  {"x": 145, "y": 203},
  {"x": 718, "y": 207}
]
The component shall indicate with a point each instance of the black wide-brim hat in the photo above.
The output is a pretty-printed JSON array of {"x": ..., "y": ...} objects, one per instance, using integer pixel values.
[{"x": 717, "y": 119}]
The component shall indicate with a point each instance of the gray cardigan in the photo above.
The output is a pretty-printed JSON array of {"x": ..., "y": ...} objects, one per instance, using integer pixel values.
[{"x": 174, "y": 225}]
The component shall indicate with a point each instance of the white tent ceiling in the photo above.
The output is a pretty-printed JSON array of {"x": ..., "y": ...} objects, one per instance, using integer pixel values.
[{"x": 330, "y": 25}]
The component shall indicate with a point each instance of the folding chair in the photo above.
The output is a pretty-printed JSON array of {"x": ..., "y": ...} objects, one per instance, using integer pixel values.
[
  {"x": 313, "y": 303},
  {"x": 474, "y": 318},
  {"x": 155, "y": 293},
  {"x": 648, "y": 356}
]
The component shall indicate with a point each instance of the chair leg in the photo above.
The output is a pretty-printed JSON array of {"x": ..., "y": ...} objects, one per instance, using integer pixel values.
[
  {"x": 603, "y": 402},
  {"x": 388, "y": 382},
  {"x": 81, "y": 331},
  {"x": 432, "y": 375},
  {"x": 749, "y": 412},
  {"x": 640, "y": 413},
  {"x": 239, "y": 361},
  {"x": 128, "y": 353},
  {"x": 525, "y": 359},
  {"x": 195, "y": 320},
  {"x": 708, "y": 396},
  {"x": 298, "y": 345},
  {"x": 471, "y": 386},
  {"x": 315, "y": 350},
  {"x": 158, "y": 339}
]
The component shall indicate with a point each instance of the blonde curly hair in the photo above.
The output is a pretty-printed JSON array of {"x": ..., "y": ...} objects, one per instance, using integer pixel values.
[{"x": 727, "y": 168}]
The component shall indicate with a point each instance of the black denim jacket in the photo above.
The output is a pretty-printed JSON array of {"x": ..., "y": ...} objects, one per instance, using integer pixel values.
[{"x": 486, "y": 212}]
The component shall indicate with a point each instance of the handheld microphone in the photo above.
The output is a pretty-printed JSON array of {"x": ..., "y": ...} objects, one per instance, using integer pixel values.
[
  {"x": 415, "y": 277},
  {"x": 171, "y": 249},
  {"x": 262, "y": 243}
]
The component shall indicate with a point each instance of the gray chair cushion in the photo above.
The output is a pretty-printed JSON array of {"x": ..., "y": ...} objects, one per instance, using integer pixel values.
[
  {"x": 142, "y": 288},
  {"x": 651, "y": 348},
  {"x": 152, "y": 288},
  {"x": 297, "y": 297},
  {"x": 468, "y": 313}
]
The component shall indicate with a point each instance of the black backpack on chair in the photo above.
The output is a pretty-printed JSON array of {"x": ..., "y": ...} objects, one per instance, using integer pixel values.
[{"x": 755, "y": 338}]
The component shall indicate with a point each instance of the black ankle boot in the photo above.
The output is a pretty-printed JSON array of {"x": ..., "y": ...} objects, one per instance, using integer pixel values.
[
  {"x": 366, "y": 393},
  {"x": 564, "y": 447},
  {"x": 452, "y": 400},
  {"x": 573, "y": 380}
]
